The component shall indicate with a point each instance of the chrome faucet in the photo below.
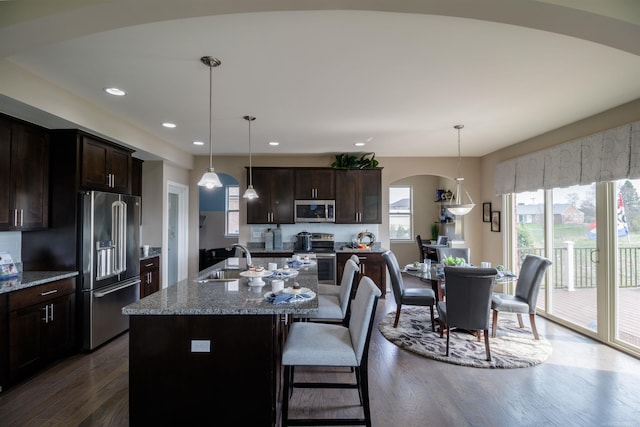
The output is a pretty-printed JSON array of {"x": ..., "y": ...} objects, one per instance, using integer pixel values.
[{"x": 244, "y": 249}]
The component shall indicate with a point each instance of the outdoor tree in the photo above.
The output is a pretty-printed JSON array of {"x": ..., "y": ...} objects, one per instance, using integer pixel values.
[
  {"x": 573, "y": 199},
  {"x": 525, "y": 240},
  {"x": 631, "y": 204}
]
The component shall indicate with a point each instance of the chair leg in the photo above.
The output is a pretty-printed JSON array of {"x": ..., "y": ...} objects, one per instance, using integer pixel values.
[
  {"x": 395, "y": 323},
  {"x": 364, "y": 386},
  {"x": 520, "y": 320},
  {"x": 494, "y": 324},
  {"x": 433, "y": 326},
  {"x": 448, "y": 335},
  {"x": 486, "y": 344},
  {"x": 532, "y": 319},
  {"x": 286, "y": 393}
]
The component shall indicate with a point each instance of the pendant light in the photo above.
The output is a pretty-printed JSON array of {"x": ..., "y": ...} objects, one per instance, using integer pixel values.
[
  {"x": 210, "y": 178},
  {"x": 250, "y": 193},
  {"x": 459, "y": 207}
]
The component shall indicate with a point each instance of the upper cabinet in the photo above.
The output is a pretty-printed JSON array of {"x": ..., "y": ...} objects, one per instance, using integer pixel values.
[
  {"x": 358, "y": 196},
  {"x": 274, "y": 204},
  {"x": 105, "y": 166},
  {"x": 97, "y": 164},
  {"x": 315, "y": 183},
  {"x": 24, "y": 176}
]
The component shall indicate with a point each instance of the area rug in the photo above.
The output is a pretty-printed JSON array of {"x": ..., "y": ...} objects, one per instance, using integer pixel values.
[{"x": 512, "y": 348}]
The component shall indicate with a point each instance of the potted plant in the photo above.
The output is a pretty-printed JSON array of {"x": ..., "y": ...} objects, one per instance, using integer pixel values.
[{"x": 435, "y": 230}]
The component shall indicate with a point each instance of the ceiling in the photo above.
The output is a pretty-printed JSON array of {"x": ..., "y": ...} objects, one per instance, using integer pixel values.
[{"x": 321, "y": 76}]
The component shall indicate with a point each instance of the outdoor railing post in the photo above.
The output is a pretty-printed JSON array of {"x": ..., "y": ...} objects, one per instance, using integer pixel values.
[{"x": 569, "y": 272}]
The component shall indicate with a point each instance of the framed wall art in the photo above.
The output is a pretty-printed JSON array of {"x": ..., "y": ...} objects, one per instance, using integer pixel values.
[
  {"x": 486, "y": 212},
  {"x": 495, "y": 221}
]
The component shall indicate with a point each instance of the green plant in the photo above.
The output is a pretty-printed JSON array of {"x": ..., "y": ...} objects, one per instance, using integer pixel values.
[
  {"x": 456, "y": 261},
  {"x": 435, "y": 230},
  {"x": 351, "y": 161}
]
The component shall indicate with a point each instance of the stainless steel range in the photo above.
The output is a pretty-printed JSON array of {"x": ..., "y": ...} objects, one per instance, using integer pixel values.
[{"x": 323, "y": 250}]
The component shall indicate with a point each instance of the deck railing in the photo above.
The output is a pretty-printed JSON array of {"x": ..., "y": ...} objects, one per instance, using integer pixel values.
[{"x": 584, "y": 271}]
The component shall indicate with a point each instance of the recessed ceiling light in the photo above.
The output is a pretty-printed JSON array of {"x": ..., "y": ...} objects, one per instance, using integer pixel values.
[
  {"x": 169, "y": 125},
  {"x": 115, "y": 91},
  {"x": 198, "y": 143},
  {"x": 359, "y": 144},
  {"x": 274, "y": 143}
]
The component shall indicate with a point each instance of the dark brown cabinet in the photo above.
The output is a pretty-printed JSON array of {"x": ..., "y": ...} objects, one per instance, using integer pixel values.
[
  {"x": 241, "y": 360},
  {"x": 41, "y": 325},
  {"x": 136, "y": 177},
  {"x": 371, "y": 264},
  {"x": 358, "y": 196},
  {"x": 149, "y": 276},
  {"x": 24, "y": 176},
  {"x": 105, "y": 166},
  {"x": 315, "y": 183},
  {"x": 275, "y": 202}
]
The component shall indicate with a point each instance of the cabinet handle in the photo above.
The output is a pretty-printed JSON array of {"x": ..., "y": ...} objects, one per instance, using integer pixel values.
[
  {"x": 21, "y": 217},
  {"x": 44, "y": 294},
  {"x": 15, "y": 217},
  {"x": 51, "y": 314},
  {"x": 46, "y": 313},
  {"x": 149, "y": 265}
]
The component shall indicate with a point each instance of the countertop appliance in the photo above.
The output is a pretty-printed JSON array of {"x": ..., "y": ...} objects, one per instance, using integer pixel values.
[
  {"x": 315, "y": 210},
  {"x": 110, "y": 262},
  {"x": 303, "y": 242},
  {"x": 322, "y": 249}
]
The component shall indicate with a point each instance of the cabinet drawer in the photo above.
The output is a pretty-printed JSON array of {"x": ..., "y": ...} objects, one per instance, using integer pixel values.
[
  {"x": 42, "y": 293},
  {"x": 149, "y": 264}
]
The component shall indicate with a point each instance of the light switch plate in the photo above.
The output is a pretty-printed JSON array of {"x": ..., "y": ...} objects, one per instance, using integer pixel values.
[{"x": 200, "y": 346}]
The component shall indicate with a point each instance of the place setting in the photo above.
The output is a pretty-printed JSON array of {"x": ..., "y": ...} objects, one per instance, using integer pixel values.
[{"x": 294, "y": 294}]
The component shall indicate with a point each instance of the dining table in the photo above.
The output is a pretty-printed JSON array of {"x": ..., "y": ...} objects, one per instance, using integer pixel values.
[{"x": 435, "y": 276}]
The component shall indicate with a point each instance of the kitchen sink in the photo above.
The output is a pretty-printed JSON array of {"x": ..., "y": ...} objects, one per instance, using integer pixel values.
[{"x": 220, "y": 275}]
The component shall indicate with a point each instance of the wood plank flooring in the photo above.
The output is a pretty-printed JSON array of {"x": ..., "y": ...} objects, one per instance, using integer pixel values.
[{"x": 583, "y": 383}]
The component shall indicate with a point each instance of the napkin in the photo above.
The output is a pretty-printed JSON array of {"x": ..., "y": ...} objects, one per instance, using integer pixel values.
[
  {"x": 295, "y": 264},
  {"x": 284, "y": 298}
]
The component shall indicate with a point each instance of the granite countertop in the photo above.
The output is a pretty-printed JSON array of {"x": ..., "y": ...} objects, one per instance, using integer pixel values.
[
  {"x": 188, "y": 297},
  {"x": 344, "y": 248},
  {"x": 27, "y": 279},
  {"x": 153, "y": 252}
]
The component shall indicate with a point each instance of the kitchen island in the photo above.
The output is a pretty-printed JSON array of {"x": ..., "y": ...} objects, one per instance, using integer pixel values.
[{"x": 207, "y": 345}]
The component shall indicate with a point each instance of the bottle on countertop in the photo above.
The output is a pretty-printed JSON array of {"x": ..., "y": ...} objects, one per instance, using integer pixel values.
[
  {"x": 277, "y": 239},
  {"x": 268, "y": 240}
]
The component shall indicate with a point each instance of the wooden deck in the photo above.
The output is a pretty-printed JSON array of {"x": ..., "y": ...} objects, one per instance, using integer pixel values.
[{"x": 579, "y": 307}]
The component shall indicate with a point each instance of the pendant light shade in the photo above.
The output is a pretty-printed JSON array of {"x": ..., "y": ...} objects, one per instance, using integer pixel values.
[
  {"x": 460, "y": 207},
  {"x": 210, "y": 178},
  {"x": 250, "y": 193}
]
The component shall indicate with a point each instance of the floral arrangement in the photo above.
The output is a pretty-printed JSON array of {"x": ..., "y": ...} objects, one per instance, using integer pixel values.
[{"x": 454, "y": 261}]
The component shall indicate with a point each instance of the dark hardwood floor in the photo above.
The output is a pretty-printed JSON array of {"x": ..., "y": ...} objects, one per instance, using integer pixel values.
[{"x": 583, "y": 383}]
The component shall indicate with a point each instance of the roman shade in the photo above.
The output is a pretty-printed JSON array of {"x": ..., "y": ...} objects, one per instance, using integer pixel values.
[{"x": 605, "y": 156}]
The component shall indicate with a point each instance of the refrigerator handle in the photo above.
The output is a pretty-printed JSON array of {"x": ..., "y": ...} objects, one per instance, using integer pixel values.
[
  {"x": 116, "y": 289},
  {"x": 119, "y": 230}
]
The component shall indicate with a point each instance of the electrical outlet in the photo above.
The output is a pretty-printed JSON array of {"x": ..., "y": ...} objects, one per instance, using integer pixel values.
[
  {"x": 257, "y": 234},
  {"x": 200, "y": 346}
]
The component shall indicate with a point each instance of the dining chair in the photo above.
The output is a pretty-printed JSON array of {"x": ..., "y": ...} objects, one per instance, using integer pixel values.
[
  {"x": 323, "y": 345},
  {"x": 526, "y": 296},
  {"x": 422, "y": 252},
  {"x": 407, "y": 296},
  {"x": 327, "y": 289},
  {"x": 454, "y": 252},
  {"x": 468, "y": 302},
  {"x": 335, "y": 308}
]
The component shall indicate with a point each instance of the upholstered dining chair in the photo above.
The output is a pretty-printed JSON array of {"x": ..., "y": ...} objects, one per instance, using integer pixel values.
[
  {"x": 454, "y": 252},
  {"x": 323, "y": 344},
  {"x": 422, "y": 253},
  {"x": 327, "y": 289},
  {"x": 468, "y": 302},
  {"x": 526, "y": 295},
  {"x": 407, "y": 296},
  {"x": 335, "y": 308}
]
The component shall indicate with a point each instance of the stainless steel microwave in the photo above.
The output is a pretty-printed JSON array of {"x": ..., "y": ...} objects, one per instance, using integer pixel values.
[{"x": 315, "y": 210}]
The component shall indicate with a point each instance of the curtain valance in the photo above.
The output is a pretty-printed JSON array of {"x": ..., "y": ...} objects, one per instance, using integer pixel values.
[{"x": 605, "y": 156}]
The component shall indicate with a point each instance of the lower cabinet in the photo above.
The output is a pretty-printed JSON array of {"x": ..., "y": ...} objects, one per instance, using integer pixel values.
[
  {"x": 41, "y": 326},
  {"x": 371, "y": 264},
  {"x": 199, "y": 368},
  {"x": 149, "y": 276}
]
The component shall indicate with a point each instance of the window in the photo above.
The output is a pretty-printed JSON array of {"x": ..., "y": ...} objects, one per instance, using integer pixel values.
[
  {"x": 400, "y": 213},
  {"x": 233, "y": 211}
]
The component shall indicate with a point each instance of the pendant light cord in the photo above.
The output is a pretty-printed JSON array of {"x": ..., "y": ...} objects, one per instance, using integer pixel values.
[
  {"x": 250, "y": 168},
  {"x": 210, "y": 116}
]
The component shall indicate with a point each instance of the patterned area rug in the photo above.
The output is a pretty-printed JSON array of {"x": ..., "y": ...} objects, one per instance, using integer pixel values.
[{"x": 512, "y": 348}]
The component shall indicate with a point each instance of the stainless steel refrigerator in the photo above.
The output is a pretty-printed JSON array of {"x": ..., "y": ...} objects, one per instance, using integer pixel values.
[{"x": 110, "y": 261}]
